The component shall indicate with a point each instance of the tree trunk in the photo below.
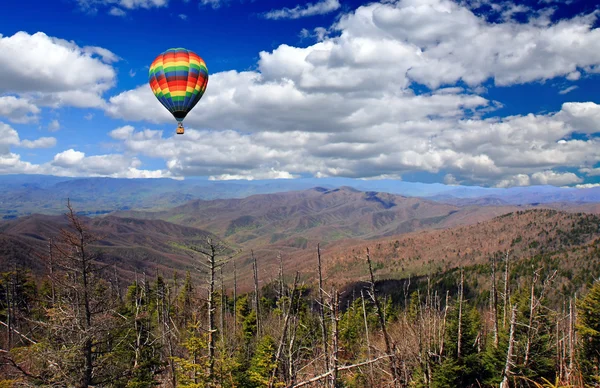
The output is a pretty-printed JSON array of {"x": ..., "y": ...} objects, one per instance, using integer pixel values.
[
  {"x": 211, "y": 316},
  {"x": 322, "y": 311},
  {"x": 256, "y": 296},
  {"x": 388, "y": 346},
  {"x": 506, "y": 295},
  {"x": 460, "y": 302},
  {"x": 362, "y": 297},
  {"x": 509, "y": 353},
  {"x": 494, "y": 302}
]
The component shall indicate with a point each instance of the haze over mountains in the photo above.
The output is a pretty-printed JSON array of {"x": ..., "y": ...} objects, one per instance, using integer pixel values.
[{"x": 28, "y": 194}]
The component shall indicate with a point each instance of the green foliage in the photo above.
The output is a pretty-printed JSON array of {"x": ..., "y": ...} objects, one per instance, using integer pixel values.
[
  {"x": 589, "y": 330},
  {"x": 466, "y": 370},
  {"x": 263, "y": 362},
  {"x": 192, "y": 370}
]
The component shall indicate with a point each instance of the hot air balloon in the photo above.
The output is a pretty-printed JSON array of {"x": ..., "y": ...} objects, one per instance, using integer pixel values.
[{"x": 178, "y": 79}]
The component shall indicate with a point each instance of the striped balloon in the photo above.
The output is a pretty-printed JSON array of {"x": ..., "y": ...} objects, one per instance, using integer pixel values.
[{"x": 178, "y": 79}]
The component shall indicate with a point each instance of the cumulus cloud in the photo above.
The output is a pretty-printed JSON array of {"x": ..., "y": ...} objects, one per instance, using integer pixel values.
[
  {"x": 10, "y": 137},
  {"x": 347, "y": 105},
  {"x": 43, "y": 71},
  {"x": 18, "y": 110},
  {"x": 54, "y": 126},
  {"x": 555, "y": 179},
  {"x": 319, "y": 8},
  {"x": 587, "y": 186},
  {"x": 69, "y": 162},
  {"x": 66, "y": 66},
  {"x": 92, "y": 6},
  {"x": 42, "y": 142},
  {"x": 76, "y": 163}
]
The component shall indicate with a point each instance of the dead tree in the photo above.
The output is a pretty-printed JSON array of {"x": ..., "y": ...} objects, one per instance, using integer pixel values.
[
  {"x": 506, "y": 295},
  {"x": 362, "y": 297},
  {"x": 494, "y": 303},
  {"x": 211, "y": 252},
  {"x": 460, "y": 303},
  {"x": 234, "y": 297},
  {"x": 284, "y": 333},
  {"x": 78, "y": 262},
  {"x": 388, "y": 346},
  {"x": 335, "y": 319},
  {"x": 322, "y": 310},
  {"x": 256, "y": 295},
  {"x": 511, "y": 346}
]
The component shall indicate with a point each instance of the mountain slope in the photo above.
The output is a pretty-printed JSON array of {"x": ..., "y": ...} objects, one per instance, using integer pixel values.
[
  {"x": 318, "y": 214},
  {"x": 136, "y": 246}
]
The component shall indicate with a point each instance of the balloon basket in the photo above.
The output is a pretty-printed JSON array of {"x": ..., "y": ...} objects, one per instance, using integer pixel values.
[{"x": 180, "y": 129}]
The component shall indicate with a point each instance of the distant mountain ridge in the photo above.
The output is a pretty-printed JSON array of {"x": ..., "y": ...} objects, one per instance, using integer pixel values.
[
  {"x": 28, "y": 194},
  {"x": 316, "y": 213}
]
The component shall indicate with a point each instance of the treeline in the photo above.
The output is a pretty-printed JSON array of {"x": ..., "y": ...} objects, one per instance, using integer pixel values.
[{"x": 78, "y": 327}]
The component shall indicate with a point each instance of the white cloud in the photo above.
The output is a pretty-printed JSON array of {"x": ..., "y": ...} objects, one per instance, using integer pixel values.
[
  {"x": 121, "y": 133},
  {"x": 345, "y": 105},
  {"x": 54, "y": 126},
  {"x": 68, "y": 163},
  {"x": 117, "y": 12},
  {"x": 587, "y": 186},
  {"x": 319, "y": 8},
  {"x": 39, "y": 63},
  {"x": 515, "y": 180},
  {"x": 18, "y": 110},
  {"x": 183, "y": 16},
  {"x": 132, "y": 4},
  {"x": 450, "y": 180},
  {"x": 92, "y": 6},
  {"x": 568, "y": 90},
  {"x": 10, "y": 137},
  {"x": 213, "y": 3},
  {"x": 42, "y": 142},
  {"x": 583, "y": 116},
  {"x": 554, "y": 178},
  {"x": 43, "y": 71},
  {"x": 76, "y": 163},
  {"x": 68, "y": 158},
  {"x": 254, "y": 175}
]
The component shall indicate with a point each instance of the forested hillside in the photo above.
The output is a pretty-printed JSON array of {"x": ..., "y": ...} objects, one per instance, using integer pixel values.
[{"x": 527, "y": 316}]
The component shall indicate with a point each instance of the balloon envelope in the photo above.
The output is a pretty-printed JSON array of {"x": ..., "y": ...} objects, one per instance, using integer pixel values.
[{"x": 178, "y": 78}]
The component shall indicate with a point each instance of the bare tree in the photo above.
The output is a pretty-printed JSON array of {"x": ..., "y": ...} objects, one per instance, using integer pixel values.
[
  {"x": 212, "y": 253},
  {"x": 506, "y": 295},
  {"x": 388, "y": 346},
  {"x": 494, "y": 302},
  {"x": 511, "y": 346},
  {"x": 322, "y": 310},
  {"x": 256, "y": 295}
]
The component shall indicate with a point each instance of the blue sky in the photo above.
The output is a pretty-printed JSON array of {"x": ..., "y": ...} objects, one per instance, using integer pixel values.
[{"x": 461, "y": 92}]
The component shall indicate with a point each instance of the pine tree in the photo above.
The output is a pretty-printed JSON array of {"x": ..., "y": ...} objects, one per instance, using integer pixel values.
[
  {"x": 467, "y": 369},
  {"x": 588, "y": 329}
]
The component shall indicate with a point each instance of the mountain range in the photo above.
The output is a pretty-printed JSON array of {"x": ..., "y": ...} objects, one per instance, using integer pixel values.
[
  {"x": 342, "y": 220},
  {"x": 29, "y": 194}
]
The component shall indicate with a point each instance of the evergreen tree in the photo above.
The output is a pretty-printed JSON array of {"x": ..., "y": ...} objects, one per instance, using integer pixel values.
[
  {"x": 466, "y": 370},
  {"x": 588, "y": 329}
]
